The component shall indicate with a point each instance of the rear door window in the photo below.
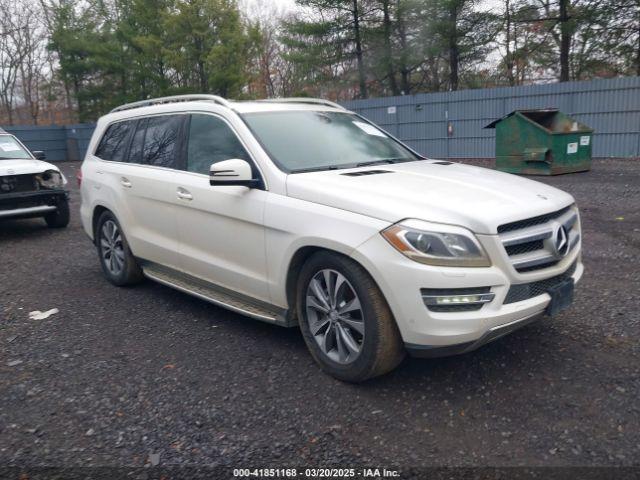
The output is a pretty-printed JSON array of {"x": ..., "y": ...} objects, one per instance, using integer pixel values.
[
  {"x": 115, "y": 140},
  {"x": 135, "y": 150},
  {"x": 161, "y": 141}
]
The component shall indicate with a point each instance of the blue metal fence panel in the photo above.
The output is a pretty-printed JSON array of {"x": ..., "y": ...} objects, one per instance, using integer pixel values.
[
  {"x": 82, "y": 133},
  {"x": 611, "y": 107},
  {"x": 53, "y": 139}
]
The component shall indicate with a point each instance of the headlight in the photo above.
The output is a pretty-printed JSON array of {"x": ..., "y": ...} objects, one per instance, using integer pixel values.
[
  {"x": 435, "y": 244},
  {"x": 51, "y": 179}
]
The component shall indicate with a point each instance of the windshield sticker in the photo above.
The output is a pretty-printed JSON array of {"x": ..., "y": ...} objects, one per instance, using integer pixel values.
[
  {"x": 9, "y": 147},
  {"x": 369, "y": 129}
]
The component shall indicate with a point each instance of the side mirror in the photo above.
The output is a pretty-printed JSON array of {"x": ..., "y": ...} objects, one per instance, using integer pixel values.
[
  {"x": 233, "y": 172},
  {"x": 39, "y": 154}
]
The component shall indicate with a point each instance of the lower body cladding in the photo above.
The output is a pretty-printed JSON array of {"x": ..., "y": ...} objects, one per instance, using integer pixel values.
[
  {"x": 31, "y": 204},
  {"x": 444, "y": 311}
]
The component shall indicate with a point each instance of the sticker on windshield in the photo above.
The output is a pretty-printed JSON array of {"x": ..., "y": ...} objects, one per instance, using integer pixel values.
[
  {"x": 369, "y": 129},
  {"x": 9, "y": 147}
]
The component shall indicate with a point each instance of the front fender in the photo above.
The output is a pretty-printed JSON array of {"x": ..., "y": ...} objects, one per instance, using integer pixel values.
[{"x": 292, "y": 224}]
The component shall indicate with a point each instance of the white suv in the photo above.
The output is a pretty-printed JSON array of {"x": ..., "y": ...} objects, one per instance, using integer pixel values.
[{"x": 299, "y": 212}]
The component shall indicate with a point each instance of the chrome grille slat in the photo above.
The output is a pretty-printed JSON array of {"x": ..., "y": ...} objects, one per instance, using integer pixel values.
[
  {"x": 574, "y": 237},
  {"x": 568, "y": 219},
  {"x": 530, "y": 243},
  {"x": 526, "y": 235},
  {"x": 531, "y": 259}
]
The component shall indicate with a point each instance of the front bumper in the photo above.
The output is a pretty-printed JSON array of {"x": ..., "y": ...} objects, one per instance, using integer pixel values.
[
  {"x": 438, "y": 333},
  {"x": 494, "y": 333},
  {"x": 31, "y": 204}
]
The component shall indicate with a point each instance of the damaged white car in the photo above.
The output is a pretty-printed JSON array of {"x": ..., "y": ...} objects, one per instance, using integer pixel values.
[{"x": 30, "y": 187}]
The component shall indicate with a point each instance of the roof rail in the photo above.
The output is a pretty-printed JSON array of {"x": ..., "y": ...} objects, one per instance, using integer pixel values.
[
  {"x": 312, "y": 101},
  {"x": 172, "y": 99}
]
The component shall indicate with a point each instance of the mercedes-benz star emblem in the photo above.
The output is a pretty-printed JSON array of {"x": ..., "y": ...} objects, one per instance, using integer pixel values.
[{"x": 561, "y": 241}]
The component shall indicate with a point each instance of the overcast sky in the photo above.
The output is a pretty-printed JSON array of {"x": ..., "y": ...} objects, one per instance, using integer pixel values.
[
  {"x": 282, "y": 4},
  {"x": 288, "y": 5}
]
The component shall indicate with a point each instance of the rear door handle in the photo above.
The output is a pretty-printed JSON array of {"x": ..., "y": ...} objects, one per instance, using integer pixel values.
[
  {"x": 125, "y": 182},
  {"x": 184, "y": 194}
]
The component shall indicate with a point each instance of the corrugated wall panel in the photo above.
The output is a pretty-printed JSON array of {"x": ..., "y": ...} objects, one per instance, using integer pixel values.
[
  {"x": 611, "y": 107},
  {"x": 52, "y": 139}
]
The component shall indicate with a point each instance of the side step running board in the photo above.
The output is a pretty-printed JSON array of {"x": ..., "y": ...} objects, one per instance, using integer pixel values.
[{"x": 217, "y": 295}]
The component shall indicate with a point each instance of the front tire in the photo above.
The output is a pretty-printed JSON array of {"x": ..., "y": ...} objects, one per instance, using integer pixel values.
[
  {"x": 118, "y": 263},
  {"x": 345, "y": 320},
  {"x": 60, "y": 217}
]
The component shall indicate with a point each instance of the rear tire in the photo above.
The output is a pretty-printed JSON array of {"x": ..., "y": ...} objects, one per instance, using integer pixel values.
[
  {"x": 118, "y": 263},
  {"x": 345, "y": 319},
  {"x": 60, "y": 217}
]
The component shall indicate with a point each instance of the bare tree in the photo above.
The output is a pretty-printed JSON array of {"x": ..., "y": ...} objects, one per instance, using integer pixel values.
[
  {"x": 33, "y": 68},
  {"x": 11, "y": 56},
  {"x": 23, "y": 60}
]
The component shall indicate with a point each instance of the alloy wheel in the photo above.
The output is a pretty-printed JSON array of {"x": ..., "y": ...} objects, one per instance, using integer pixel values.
[
  {"x": 335, "y": 316},
  {"x": 112, "y": 248}
]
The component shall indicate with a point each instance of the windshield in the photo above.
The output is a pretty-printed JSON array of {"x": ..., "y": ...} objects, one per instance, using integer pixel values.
[
  {"x": 306, "y": 140},
  {"x": 11, "y": 149}
]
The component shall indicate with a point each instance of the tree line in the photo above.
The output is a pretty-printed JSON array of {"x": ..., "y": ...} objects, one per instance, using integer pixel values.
[{"x": 73, "y": 60}]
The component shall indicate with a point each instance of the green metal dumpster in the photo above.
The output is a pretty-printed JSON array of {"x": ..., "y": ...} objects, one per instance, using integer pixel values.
[{"x": 541, "y": 142}]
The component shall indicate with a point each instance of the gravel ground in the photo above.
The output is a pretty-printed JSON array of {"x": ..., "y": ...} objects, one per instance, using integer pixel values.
[{"x": 119, "y": 374}]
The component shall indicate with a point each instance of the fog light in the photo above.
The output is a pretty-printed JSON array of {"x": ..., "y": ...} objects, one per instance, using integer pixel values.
[{"x": 456, "y": 299}]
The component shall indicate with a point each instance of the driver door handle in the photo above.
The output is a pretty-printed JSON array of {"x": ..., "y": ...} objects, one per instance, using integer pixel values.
[
  {"x": 184, "y": 194},
  {"x": 124, "y": 181}
]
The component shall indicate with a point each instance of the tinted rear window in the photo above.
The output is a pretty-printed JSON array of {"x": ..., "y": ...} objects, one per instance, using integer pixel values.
[
  {"x": 113, "y": 145},
  {"x": 135, "y": 151},
  {"x": 161, "y": 141}
]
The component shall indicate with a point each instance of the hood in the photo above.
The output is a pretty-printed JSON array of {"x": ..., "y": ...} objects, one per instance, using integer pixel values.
[
  {"x": 478, "y": 198},
  {"x": 25, "y": 166}
]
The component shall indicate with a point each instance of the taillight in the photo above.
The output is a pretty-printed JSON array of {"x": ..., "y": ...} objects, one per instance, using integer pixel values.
[{"x": 79, "y": 176}]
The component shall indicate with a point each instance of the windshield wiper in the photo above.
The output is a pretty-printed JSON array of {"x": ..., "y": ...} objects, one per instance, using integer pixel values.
[
  {"x": 378, "y": 162},
  {"x": 315, "y": 169}
]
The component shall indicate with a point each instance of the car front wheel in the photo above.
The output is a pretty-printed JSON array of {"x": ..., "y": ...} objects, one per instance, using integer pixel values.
[{"x": 345, "y": 320}]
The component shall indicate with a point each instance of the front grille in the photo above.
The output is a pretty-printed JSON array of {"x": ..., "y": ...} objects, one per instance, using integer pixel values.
[
  {"x": 538, "y": 242},
  {"x": 454, "y": 291},
  {"x": 525, "y": 291},
  {"x": 18, "y": 184},
  {"x": 529, "y": 222},
  {"x": 525, "y": 247}
]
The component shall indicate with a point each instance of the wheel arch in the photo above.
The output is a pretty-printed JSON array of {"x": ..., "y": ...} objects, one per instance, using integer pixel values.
[
  {"x": 98, "y": 210},
  {"x": 298, "y": 259}
]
